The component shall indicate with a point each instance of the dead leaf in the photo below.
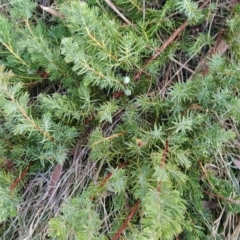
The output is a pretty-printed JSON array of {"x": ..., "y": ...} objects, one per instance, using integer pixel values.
[
  {"x": 52, "y": 11},
  {"x": 221, "y": 47},
  {"x": 195, "y": 106},
  {"x": 140, "y": 142},
  {"x": 54, "y": 178},
  {"x": 237, "y": 163},
  {"x": 209, "y": 204},
  {"x": 117, "y": 95}
]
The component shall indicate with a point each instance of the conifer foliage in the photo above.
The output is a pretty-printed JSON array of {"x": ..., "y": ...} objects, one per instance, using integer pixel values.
[{"x": 119, "y": 120}]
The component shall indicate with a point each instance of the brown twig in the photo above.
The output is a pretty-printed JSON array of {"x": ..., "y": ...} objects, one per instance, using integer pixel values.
[
  {"x": 15, "y": 183},
  {"x": 165, "y": 44},
  {"x": 221, "y": 197},
  {"x": 113, "y": 7},
  {"x": 182, "y": 65},
  {"x": 125, "y": 223},
  {"x": 110, "y": 174},
  {"x": 220, "y": 47},
  {"x": 161, "y": 49},
  {"x": 104, "y": 181},
  {"x": 135, "y": 207}
]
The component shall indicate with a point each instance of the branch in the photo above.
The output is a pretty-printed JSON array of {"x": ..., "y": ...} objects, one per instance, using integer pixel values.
[
  {"x": 104, "y": 181},
  {"x": 220, "y": 47},
  {"x": 25, "y": 115},
  {"x": 15, "y": 183},
  {"x": 165, "y": 45},
  {"x": 110, "y": 174},
  {"x": 113, "y": 7},
  {"x": 232, "y": 201},
  {"x": 135, "y": 207},
  {"x": 125, "y": 223}
]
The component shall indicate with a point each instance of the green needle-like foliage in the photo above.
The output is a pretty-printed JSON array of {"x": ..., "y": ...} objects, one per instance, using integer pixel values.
[{"x": 141, "y": 127}]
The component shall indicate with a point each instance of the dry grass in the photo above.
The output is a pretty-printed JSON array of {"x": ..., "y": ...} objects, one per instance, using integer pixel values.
[{"x": 37, "y": 207}]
